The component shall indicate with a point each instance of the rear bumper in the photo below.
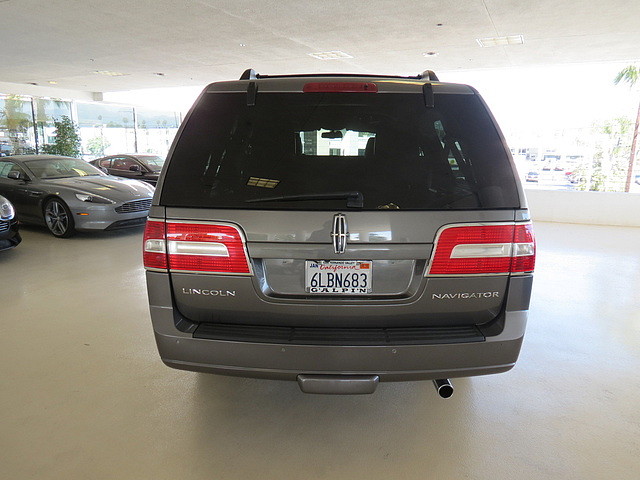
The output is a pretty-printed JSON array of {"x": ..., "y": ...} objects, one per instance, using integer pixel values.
[{"x": 285, "y": 361}]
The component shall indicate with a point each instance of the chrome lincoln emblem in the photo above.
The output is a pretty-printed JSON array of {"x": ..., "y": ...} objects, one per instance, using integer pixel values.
[{"x": 339, "y": 233}]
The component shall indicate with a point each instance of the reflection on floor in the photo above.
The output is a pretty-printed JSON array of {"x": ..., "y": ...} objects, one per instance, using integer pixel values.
[{"x": 84, "y": 395}]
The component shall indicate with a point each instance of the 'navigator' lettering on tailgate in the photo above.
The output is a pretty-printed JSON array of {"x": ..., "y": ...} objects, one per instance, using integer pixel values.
[
  {"x": 453, "y": 296},
  {"x": 209, "y": 293}
]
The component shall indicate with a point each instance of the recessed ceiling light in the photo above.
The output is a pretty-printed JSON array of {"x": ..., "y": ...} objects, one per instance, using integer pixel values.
[
  {"x": 500, "y": 41},
  {"x": 243, "y": 44},
  {"x": 52, "y": 82},
  {"x": 332, "y": 55},
  {"x": 110, "y": 73}
]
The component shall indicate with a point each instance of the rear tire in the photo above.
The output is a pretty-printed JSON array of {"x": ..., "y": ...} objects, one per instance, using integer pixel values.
[{"x": 58, "y": 218}]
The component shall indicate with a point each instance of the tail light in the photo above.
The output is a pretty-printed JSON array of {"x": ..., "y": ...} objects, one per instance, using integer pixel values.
[
  {"x": 154, "y": 249},
  {"x": 484, "y": 249},
  {"x": 200, "y": 247}
]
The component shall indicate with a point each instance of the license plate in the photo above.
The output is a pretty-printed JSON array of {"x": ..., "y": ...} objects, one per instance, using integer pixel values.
[{"x": 338, "y": 277}]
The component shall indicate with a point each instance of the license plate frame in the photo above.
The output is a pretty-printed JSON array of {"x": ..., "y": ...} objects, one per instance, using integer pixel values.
[{"x": 338, "y": 277}]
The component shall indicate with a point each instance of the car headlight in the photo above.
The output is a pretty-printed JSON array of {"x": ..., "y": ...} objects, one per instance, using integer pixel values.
[
  {"x": 85, "y": 197},
  {"x": 7, "y": 212}
]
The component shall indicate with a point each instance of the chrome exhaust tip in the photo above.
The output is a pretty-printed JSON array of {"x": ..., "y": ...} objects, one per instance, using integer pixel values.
[{"x": 443, "y": 387}]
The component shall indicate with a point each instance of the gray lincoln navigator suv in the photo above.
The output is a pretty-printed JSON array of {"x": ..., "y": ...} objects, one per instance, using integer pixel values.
[{"x": 339, "y": 230}]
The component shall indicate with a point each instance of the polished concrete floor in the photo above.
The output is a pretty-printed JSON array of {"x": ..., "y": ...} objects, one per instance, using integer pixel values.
[{"x": 83, "y": 394}]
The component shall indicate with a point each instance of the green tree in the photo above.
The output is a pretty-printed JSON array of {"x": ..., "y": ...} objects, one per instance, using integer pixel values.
[
  {"x": 630, "y": 75},
  {"x": 67, "y": 139},
  {"x": 606, "y": 172},
  {"x": 97, "y": 145}
]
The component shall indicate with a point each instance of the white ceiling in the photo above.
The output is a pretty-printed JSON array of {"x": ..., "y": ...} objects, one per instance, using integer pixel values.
[{"x": 194, "y": 42}]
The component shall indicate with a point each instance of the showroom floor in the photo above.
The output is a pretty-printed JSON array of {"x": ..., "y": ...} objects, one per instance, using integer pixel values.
[{"x": 83, "y": 394}]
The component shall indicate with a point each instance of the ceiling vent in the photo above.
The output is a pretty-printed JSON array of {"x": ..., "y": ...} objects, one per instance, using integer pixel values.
[
  {"x": 501, "y": 41},
  {"x": 109, "y": 73},
  {"x": 333, "y": 55}
]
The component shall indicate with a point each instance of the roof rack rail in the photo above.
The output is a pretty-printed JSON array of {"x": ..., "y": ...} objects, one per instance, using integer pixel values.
[
  {"x": 429, "y": 75},
  {"x": 249, "y": 74}
]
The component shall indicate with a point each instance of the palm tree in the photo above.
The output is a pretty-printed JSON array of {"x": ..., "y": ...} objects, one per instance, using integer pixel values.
[{"x": 630, "y": 75}]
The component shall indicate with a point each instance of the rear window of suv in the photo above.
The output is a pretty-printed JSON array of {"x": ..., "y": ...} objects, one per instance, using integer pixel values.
[{"x": 314, "y": 151}]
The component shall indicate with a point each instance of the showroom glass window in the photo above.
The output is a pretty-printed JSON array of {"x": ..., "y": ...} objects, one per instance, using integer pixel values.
[
  {"x": 17, "y": 136},
  {"x": 48, "y": 110},
  {"x": 156, "y": 130},
  {"x": 106, "y": 129}
]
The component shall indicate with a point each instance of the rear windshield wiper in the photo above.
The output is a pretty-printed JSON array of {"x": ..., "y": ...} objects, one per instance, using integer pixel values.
[{"x": 354, "y": 199}]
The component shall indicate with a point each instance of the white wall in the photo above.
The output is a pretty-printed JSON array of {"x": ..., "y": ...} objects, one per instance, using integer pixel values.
[{"x": 596, "y": 208}]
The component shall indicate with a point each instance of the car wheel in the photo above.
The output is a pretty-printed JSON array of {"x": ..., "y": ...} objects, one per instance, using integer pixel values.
[{"x": 58, "y": 218}]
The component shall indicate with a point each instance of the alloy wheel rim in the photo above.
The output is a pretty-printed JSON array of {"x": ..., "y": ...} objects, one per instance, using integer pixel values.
[{"x": 56, "y": 217}]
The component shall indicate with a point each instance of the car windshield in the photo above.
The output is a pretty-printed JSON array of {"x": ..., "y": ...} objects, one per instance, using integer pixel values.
[
  {"x": 153, "y": 162},
  {"x": 61, "y": 168}
]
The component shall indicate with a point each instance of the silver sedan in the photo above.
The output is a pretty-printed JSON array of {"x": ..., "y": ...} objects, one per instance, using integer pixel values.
[{"x": 68, "y": 194}]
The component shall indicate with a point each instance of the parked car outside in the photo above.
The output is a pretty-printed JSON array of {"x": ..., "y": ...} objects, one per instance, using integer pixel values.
[
  {"x": 137, "y": 166},
  {"x": 532, "y": 176},
  {"x": 574, "y": 177},
  {"x": 339, "y": 231},
  {"x": 67, "y": 194},
  {"x": 9, "y": 235}
]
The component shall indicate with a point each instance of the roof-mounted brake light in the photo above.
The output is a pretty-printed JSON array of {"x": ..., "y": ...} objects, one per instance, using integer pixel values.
[{"x": 340, "y": 87}]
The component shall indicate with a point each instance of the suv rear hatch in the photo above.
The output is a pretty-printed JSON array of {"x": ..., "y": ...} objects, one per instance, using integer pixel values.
[{"x": 316, "y": 202}]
